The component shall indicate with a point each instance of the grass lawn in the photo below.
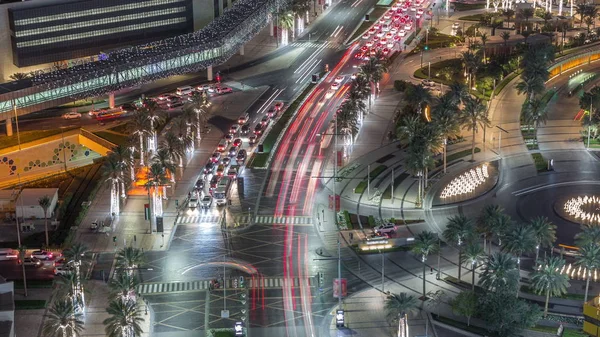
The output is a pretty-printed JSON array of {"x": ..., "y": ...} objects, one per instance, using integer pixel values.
[
  {"x": 260, "y": 159},
  {"x": 377, "y": 13},
  {"x": 112, "y": 137},
  {"x": 475, "y": 17},
  {"x": 30, "y": 304},
  {"x": 540, "y": 162},
  {"x": 594, "y": 143},
  {"x": 505, "y": 81},
  {"x": 568, "y": 332},
  {"x": 27, "y": 136},
  {"x": 436, "y": 41},
  {"x": 223, "y": 334},
  {"x": 461, "y": 325},
  {"x": 361, "y": 187},
  {"x": 461, "y": 7},
  {"x": 34, "y": 284}
]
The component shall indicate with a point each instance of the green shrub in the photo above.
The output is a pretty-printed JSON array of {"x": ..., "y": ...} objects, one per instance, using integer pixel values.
[
  {"x": 400, "y": 85},
  {"x": 372, "y": 222},
  {"x": 540, "y": 162},
  {"x": 30, "y": 304}
]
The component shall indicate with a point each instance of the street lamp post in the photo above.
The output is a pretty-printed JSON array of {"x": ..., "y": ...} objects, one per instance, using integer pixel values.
[{"x": 17, "y": 122}]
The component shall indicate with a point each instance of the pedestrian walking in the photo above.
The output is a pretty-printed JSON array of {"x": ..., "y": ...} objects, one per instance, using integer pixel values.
[
  {"x": 351, "y": 236},
  {"x": 431, "y": 270}
]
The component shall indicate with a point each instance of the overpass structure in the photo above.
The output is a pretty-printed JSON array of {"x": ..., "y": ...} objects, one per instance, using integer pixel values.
[{"x": 210, "y": 46}]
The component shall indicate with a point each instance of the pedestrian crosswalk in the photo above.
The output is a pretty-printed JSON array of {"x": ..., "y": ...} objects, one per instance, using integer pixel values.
[
  {"x": 306, "y": 44},
  {"x": 201, "y": 285},
  {"x": 244, "y": 219},
  {"x": 198, "y": 219}
]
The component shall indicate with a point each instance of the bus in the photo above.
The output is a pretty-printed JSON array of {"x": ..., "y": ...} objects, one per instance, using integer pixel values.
[{"x": 221, "y": 193}]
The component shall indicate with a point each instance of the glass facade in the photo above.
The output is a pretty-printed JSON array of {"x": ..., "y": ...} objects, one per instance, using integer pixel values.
[{"x": 45, "y": 33}]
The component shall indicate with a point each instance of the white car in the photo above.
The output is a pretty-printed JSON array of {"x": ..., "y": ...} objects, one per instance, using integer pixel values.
[
  {"x": 428, "y": 83},
  {"x": 329, "y": 94},
  {"x": 408, "y": 26},
  {"x": 455, "y": 25},
  {"x": 335, "y": 86},
  {"x": 420, "y": 11},
  {"x": 339, "y": 79},
  {"x": 206, "y": 202},
  {"x": 62, "y": 270},
  {"x": 71, "y": 115},
  {"x": 193, "y": 203},
  {"x": 413, "y": 9},
  {"x": 380, "y": 33},
  {"x": 353, "y": 76},
  {"x": 386, "y": 229},
  {"x": 402, "y": 33},
  {"x": 42, "y": 254},
  {"x": 387, "y": 15},
  {"x": 369, "y": 44}
]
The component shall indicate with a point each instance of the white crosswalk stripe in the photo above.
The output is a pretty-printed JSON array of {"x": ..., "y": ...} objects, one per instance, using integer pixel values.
[
  {"x": 297, "y": 220},
  {"x": 306, "y": 44},
  {"x": 172, "y": 287},
  {"x": 198, "y": 219}
]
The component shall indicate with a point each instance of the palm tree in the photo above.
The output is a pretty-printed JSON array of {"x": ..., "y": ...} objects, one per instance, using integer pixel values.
[
  {"x": 124, "y": 286},
  {"x": 487, "y": 222},
  {"x": 361, "y": 86},
  {"x": 526, "y": 13},
  {"x": 520, "y": 240},
  {"x": 124, "y": 320},
  {"x": 22, "y": 251},
  {"x": 18, "y": 76},
  {"x": 547, "y": 278},
  {"x": 531, "y": 86},
  {"x": 588, "y": 258},
  {"x": 410, "y": 128},
  {"x": 545, "y": 233},
  {"x": 505, "y": 37},
  {"x": 286, "y": 22},
  {"x": 444, "y": 115},
  {"x": 372, "y": 70},
  {"x": 474, "y": 116},
  {"x": 122, "y": 155},
  {"x": 45, "y": 203},
  {"x": 199, "y": 105},
  {"x": 535, "y": 114},
  {"x": 70, "y": 287},
  {"x": 459, "y": 230},
  {"x": 164, "y": 158},
  {"x": 500, "y": 272},
  {"x": 581, "y": 9},
  {"x": 129, "y": 259},
  {"x": 473, "y": 255},
  {"x": 300, "y": 9},
  {"x": 140, "y": 126},
  {"x": 418, "y": 97},
  {"x": 484, "y": 39},
  {"x": 174, "y": 147},
  {"x": 62, "y": 320},
  {"x": 508, "y": 13},
  {"x": 426, "y": 243},
  {"x": 76, "y": 256},
  {"x": 471, "y": 62},
  {"x": 156, "y": 178},
  {"x": 189, "y": 118},
  {"x": 155, "y": 117},
  {"x": 111, "y": 171},
  {"x": 398, "y": 307},
  {"x": 458, "y": 93},
  {"x": 588, "y": 235}
]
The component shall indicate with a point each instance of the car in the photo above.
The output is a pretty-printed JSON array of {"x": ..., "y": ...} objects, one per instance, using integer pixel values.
[
  {"x": 339, "y": 79},
  {"x": 387, "y": 15},
  {"x": 209, "y": 168},
  {"x": 358, "y": 56},
  {"x": 420, "y": 11},
  {"x": 42, "y": 254},
  {"x": 397, "y": 38},
  {"x": 271, "y": 113},
  {"x": 215, "y": 157},
  {"x": 233, "y": 151},
  {"x": 225, "y": 161},
  {"x": 386, "y": 51},
  {"x": 368, "y": 44},
  {"x": 372, "y": 31},
  {"x": 402, "y": 33},
  {"x": 258, "y": 129},
  {"x": 389, "y": 35},
  {"x": 206, "y": 201},
  {"x": 279, "y": 106},
  {"x": 220, "y": 170},
  {"x": 408, "y": 26},
  {"x": 380, "y": 33},
  {"x": 329, "y": 94},
  {"x": 413, "y": 9},
  {"x": 253, "y": 139},
  {"x": 30, "y": 261},
  {"x": 385, "y": 229},
  {"x": 62, "y": 270},
  {"x": 228, "y": 137},
  {"x": 265, "y": 121},
  {"x": 193, "y": 203},
  {"x": 245, "y": 129},
  {"x": 234, "y": 129},
  {"x": 224, "y": 90},
  {"x": 418, "y": 16},
  {"x": 204, "y": 87},
  {"x": 385, "y": 28},
  {"x": 366, "y": 36},
  {"x": 233, "y": 172},
  {"x": 199, "y": 184},
  {"x": 335, "y": 86},
  {"x": 60, "y": 261},
  {"x": 243, "y": 119},
  {"x": 176, "y": 104},
  {"x": 213, "y": 183},
  {"x": 455, "y": 25},
  {"x": 241, "y": 156},
  {"x": 71, "y": 115},
  {"x": 237, "y": 142},
  {"x": 428, "y": 83}
]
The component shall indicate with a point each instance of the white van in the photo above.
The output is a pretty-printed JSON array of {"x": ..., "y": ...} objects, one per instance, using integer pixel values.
[
  {"x": 186, "y": 90},
  {"x": 8, "y": 254}
]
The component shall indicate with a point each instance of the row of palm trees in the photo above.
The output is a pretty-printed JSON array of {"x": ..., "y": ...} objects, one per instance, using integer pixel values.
[
  {"x": 426, "y": 135},
  {"x": 64, "y": 318},
  {"x": 293, "y": 19},
  {"x": 161, "y": 158}
]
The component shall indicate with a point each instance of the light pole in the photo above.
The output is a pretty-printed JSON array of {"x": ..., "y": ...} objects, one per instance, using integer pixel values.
[{"x": 16, "y": 122}]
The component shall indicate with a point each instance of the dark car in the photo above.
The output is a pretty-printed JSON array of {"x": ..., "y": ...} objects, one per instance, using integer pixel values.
[
  {"x": 200, "y": 184},
  {"x": 258, "y": 129},
  {"x": 245, "y": 129},
  {"x": 241, "y": 156},
  {"x": 233, "y": 151},
  {"x": 209, "y": 168},
  {"x": 128, "y": 107}
]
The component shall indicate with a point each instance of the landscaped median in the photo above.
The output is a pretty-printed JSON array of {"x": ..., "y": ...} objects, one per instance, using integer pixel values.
[
  {"x": 260, "y": 160},
  {"x": 360, "y": 188}
]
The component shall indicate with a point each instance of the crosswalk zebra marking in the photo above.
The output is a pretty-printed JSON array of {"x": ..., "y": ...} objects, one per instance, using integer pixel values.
[{"x": 201, "y": 285}]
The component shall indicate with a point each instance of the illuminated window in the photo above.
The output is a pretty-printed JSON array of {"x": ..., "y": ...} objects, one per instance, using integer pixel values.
[
  {"x": 87, "y": 35},
  {"x": 94, "y": 11},
  {"x": 75, "y": 25}
]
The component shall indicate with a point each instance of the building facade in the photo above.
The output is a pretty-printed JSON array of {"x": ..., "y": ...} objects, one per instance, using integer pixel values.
[{"x": 46, "y": 33}]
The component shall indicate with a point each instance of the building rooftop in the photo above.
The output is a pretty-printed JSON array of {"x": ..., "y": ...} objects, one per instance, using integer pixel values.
[{"x": 31, "y": 196}]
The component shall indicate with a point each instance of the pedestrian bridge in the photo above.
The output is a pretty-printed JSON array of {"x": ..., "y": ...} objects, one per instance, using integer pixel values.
[{"x": 210, "y": 46}]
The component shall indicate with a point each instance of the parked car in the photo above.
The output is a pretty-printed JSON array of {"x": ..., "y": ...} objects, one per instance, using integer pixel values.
[
  {"x": 42, "y": 254},
  {"x": 206, "y": 202},
  {"x": 385, "y": 229},
  {"x": 71, "y": 115}
]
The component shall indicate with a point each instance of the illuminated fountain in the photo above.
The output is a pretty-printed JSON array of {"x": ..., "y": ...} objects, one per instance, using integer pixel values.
[
  {"x": 466, "y": 183},
  {"x": 584, "y": 209}
]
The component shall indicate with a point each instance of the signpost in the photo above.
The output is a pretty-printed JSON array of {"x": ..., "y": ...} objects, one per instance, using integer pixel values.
[{"x": 339, "y": 319}]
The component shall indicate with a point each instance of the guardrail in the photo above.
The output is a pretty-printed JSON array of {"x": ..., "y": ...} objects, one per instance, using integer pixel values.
[{"x": 97, "y": 139}]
